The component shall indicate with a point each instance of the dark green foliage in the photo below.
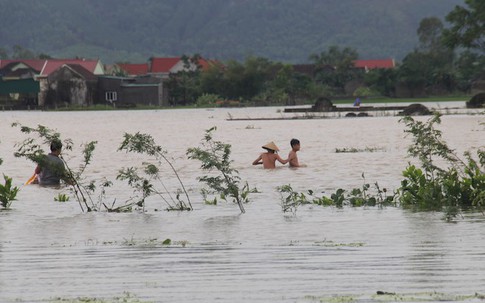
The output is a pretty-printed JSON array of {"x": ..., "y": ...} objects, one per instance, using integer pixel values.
[
  {"x": 357, "y": 197},
  {"x": 61, "y": 198},
  {"x": 8, "y": 193},
  {"x": 184, "y": 86},
  {"x": 335, "y": 67},
  {"x": 142, "y": 181},
  {"x": 367, "y": 195},
  {"x": 469, "y": 67},
  {"x": 222, "y": 179},
  {"x": 290, "y": 199},
  {"x": 467, "y": 26},
  {"x": 457, "y": 184}
]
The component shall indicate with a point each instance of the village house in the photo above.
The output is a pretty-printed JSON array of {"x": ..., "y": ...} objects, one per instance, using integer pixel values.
[
  {"x": 145, "y": 76},
  {"x": 48, "y": 82},
  {"x": 17, "y": 84}
]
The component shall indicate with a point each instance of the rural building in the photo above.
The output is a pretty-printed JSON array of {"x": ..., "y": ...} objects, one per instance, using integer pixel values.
[{"x": 130, "y": 91}]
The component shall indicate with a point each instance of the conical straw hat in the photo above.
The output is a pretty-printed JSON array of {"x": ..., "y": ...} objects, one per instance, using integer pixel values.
[{"x": 271, "y": 146}]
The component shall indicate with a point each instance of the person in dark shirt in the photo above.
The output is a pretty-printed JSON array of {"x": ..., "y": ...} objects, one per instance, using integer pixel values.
[{"x": 50, "y": 170}]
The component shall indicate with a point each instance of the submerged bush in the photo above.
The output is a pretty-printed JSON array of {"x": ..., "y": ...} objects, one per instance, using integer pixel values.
[
  {"x": 456, "y": 185},
  {"x": 356, "y": 197},
  {"x": 83, "y": 190},
  {"x": 224, "y": 180},
  {"x": 143, "y": 182}
]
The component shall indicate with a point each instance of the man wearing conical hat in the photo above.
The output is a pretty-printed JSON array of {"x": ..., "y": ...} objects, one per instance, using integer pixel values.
[{"x": 268, "y": 159}]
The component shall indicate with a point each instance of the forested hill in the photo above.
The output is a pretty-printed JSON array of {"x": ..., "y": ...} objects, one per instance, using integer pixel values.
[{"x": 281, "y": 30}]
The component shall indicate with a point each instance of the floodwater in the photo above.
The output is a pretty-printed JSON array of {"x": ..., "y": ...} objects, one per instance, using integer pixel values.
[{"x": 52, "y": 250}]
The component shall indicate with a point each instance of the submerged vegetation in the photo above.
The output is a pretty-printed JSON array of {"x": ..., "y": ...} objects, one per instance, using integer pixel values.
[
  {"x": 127, "y": 297},
  {"x": 31, "y": 148},
  {"x": 91, "y": 194},
  {"x": 142, "y": 181},
  {"x": 224, "y": 180},
  {"x": 61, "y": 198},
  {"x": 8, "y": 193},
  {"x": 383, "y": 296},
  {"x": 367, "y": 195},
  {"x": 358, "y": 150},
  {"x": 443, "y": 181}
]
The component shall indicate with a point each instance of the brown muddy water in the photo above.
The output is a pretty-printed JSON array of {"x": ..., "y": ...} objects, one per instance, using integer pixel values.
[{"x": 52, "y": 250}]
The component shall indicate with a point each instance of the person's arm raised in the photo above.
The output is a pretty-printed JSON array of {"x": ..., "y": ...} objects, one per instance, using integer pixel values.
[{"x": 258, "y": 160}]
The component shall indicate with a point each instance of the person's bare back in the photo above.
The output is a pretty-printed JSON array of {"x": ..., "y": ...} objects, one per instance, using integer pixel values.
[{"x": 269, "y": 158}]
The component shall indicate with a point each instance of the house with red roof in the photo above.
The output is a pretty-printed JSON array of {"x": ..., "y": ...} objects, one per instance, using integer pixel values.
[
  {"x": 134, "y": 69},
  {"x": 39, "y": 71},
  {"x": 35, "y": 64},
  {"x": 69, "y": 84},
  {"x": 375, "y": 64},
  {"x": 149, "y": 78},
  {"x": 77, "y": 74},
  {"x": 163, "y": 67}
]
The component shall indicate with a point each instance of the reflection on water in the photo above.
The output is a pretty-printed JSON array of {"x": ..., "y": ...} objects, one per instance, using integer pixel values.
[{"x": 50, "y": 249}]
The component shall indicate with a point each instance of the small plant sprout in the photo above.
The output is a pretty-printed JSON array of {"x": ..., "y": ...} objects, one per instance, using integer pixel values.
[
  {"x": 8, "y": 193},
  {"x": 222, "y": 179},
  {"x": 61, "y": 198}
]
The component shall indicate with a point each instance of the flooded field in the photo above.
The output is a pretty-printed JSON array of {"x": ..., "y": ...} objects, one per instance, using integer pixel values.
[{"x": 53, "y": 252}]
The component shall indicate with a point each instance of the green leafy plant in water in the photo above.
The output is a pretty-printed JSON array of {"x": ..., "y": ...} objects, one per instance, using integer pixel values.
[
  {"x": 291, "y": 200},
  {"x": 225, "y": 181},
  {"x": 356, "y": 197},
  {"x": 61, "y": 198},
  {"x": 8, "y": 193},
  {"x": 83, "y": 190},
  {"x": 142, "y": 181},
  {"x": 357, "y": 150},
  {"x": 457, "y": 184}
]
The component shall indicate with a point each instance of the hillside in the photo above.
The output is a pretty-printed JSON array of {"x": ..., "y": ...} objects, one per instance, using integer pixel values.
[{"x": 282, "y": 30}]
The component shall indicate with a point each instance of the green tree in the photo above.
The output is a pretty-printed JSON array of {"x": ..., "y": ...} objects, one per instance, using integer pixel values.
[
  {"x": 431, "y": 65},
  {"x": 335, "y": 67},
  {"x": 289, "y": 85},
  {"x": 429, "y": 33},
  {"x": 248, "y": 79},
  {"x": 467, "y": 26},
  {"x": 212, "y": 80},
  {"x": 421, "y": 71},
  {"x": 382, "y": 81},
  {"x": 184, "y": 85},
  {"x": 469, "y": 67}
]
